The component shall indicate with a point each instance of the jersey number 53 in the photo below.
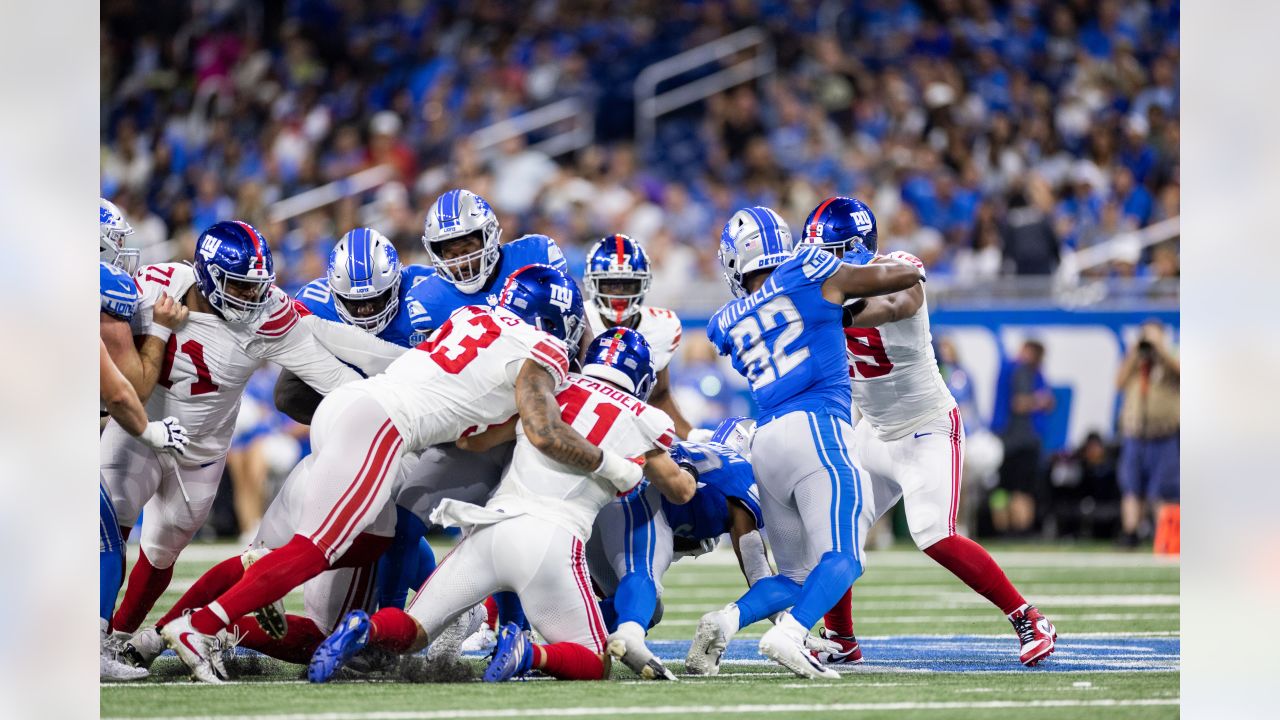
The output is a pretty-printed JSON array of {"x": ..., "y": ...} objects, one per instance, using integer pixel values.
[{"x": 763, "y": 364}]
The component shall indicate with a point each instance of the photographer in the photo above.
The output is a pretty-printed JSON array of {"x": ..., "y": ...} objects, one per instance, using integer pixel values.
[{"x": 1149, "y": 423}]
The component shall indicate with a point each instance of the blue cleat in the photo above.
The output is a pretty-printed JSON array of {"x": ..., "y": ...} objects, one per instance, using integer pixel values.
[
  {"x": 350, "y": 638},
  {"x": 513, "y": 657}
]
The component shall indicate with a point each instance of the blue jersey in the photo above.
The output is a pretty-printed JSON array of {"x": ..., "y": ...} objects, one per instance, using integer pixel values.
[
  {"x": 318, "y": 299},
  {"x": 722, "y": 474},
  {"x": 118, "y": 294},
  {"x": 787, "y": 340},
  {"x": 435, "y": 299}
]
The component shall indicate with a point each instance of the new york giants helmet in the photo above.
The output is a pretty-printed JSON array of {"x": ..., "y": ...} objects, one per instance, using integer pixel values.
[
  {"x": 364, "y": 275},
  {"x": 844, "y": 226},
  {"x": 621, "y": 356},
  {"x": 547, "y": 299},
  {"x": 118, "y": 294},
  {"x": 458, "y": 215},
  {"x": 617, "y": 277},
  {"x": 233, "y": 270},
  {"x": 737, "y": 433},
  {"x": 112, "y": 230},
  {"x": 755, "y": 238}
]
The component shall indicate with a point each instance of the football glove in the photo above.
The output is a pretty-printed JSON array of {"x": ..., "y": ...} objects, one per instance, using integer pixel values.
[{"x": 166, "y": 435}]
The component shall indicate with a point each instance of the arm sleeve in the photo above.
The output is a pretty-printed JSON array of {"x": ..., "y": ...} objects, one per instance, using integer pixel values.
[
  {"x": 352, "y": 345},
  {"x": 297, "y": 350}
]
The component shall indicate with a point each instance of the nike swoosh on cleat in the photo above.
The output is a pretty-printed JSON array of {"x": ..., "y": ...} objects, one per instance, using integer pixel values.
[{"x": 183, "y": 639}]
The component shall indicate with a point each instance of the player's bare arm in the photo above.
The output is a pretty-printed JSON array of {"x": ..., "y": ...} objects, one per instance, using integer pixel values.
[
  {"x": 118, "y": 338},
  {"x": 540, "y": 413},
  {"x": 674, "y": 482},
  {"x": 167, "y": 315},
  {"x": 859, "y": 281},
  {"x": 295, "y": 398},
  {"x": 748, "y": 545},
  {"x": 885, "y": 309},
  {"x": 491, "y": 437},
  {"x": 662, "y": 399},
  {"x": 118, "y": 394}
]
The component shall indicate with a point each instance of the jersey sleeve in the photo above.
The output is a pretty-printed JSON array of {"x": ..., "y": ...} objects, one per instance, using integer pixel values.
[
  {"x": 814, "y": 265},
  {"x": 539, "y": 249},
  {"x": 153, "y": 281},
  {"x": 315, "y": 298},
  {"x": 417, "y": 304},
  {"x": 658, "y": 426},
  {"x": 354, "y": 346},
  {"x": 719, "y": 338},
  {"x": 285, "y": 340},
  {"x": 551, "y": 355}
]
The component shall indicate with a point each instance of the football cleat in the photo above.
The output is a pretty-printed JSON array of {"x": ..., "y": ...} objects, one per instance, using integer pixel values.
[
  {"x": 833, "y": 649},
  {"x": 201, "y": 653},
  {"x": 1035, "y": 632},
  {"x": 271, "y": 617},
  {"x": 483, "y": 639},
  {"x": 448, "y": 645},
  {"x": 513, "y": 656},
  {"x": 350, "y": 638},
  {"x": 627, "y": 644},
  {"x": 715, "y": 629},
  {"x": 112, "y": 669},
  {"x": 784, "y": 644},
  {"x": 143, "y": 648}
]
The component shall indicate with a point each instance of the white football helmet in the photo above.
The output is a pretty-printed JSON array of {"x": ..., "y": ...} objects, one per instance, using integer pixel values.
[
  {"x": 457, "y": 214},
  {"x": 364, "y": 275},
  {"x": 112, "y": 230},
  {"x": 755, "y": 238}
]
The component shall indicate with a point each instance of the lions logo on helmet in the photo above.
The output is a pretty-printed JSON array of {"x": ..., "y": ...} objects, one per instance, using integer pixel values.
[
  {"x": 460, "y": 216},
  {"x": 617, "y": 277},
  {"x": 755, "y": 238},
  {"x": 621, "y": 356},
  {"x": 112, "y": 230},
  {"x": 547, "y": 299},
  {"x": 234, "y": 271},
  {"x": 844, "y": 226},
  {"x": 364, "y": 275}
]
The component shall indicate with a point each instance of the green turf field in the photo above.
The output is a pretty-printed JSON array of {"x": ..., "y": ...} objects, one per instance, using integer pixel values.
[{"x": 933, "y": 650}]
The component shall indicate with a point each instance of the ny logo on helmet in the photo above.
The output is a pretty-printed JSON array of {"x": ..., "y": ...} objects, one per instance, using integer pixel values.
[
  {"x": 209, "y": 246},
  {"x": 862, "y": 219},
  {"x": 561, "y": 297}
]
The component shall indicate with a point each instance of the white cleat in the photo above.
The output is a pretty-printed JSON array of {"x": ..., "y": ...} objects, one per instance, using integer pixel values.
[
  {"x": 714, "y": 632},
  {"x": 143, "y": 648},
  {"x": 271, "y": 618},
  {"x": 199, "y": 652},
  {"x": 112, "y": 669},
  {"x": 784, "y": 644},
  {"x": 627, "y": 644},
  {"x": 481, "y": 640},
  {"x": 448, "y": 645}
]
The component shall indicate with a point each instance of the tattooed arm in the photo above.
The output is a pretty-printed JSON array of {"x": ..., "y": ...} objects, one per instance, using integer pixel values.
[{"x": 540, "y": 414}]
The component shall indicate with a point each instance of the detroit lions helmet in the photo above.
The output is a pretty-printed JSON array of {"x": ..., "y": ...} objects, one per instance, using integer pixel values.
[
  {"x": 118, "y": 294},
  {"x": 617, "y": 277},
  {"x": 547, "y": 299},
  {"x": 364, "y": 275},
  {"x": 456, "y": 215},
  {"x": 112, "y": 230},
  {"x": 844, "y": 226},
  {"x": 234, "y": 270},
  {"x": 621, "y": 356},
  {"x": 755, "y": 238},
  {"x": 736, "y": 433}
]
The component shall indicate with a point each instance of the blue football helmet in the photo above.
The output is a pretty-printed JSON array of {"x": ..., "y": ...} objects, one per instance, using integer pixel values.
[
  {"x": 234, "y": 271},
  {"x": 117, "y": 292},
  {"x": 844, "y": 226},
  {"x": 112, "y": 230},
  {"x": 547, "y": 299},
  {"x": 617, "y": 277},
  {"x": 736, "y": 433},
  {"x": 364, "y": 275},
  {"x": 455, "y": 215},
  {"x": 755, "y": 238},
  {"x": 621, "y": 356}
]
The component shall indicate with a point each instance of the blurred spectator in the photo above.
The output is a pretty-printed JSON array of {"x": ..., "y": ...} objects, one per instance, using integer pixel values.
[
  {"x": 1023, "y": 402},
  {"x": 1085, "y": 500},
  {"x": 1030, "y": 243},
  {"x": 1148, "y": 383}
]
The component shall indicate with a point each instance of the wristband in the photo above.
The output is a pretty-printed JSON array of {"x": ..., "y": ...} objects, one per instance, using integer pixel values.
[
  {"x": 159, "y": 331},
  {"x": 620, "y": 472}
]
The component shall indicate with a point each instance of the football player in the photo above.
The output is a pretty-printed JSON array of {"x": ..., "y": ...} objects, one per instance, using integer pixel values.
[
  {"x": 911, "y": 438},
  {"x": 238, "y": 319},
  {"x": 617, "y": 277},
  {"x": 529, "y": 536},
  {"x": 637, "y": 537},
  {"x": 784, "y": 334},
  {"x": 478, "y": 369}
]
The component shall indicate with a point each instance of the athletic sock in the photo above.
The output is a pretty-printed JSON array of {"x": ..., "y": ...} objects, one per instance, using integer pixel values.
[
  {"x": 839, "y": 619},
  {"x": 491, "y": 613},
  {"x": 827, "y": 581},
  {"x": 146, "y": 584},
  {"x": 297, "y": 646},
  {"x": 568, "y": 661},
  {"x": 636, "y": 599},
  {"x": 399, "y": 564},
  {"x": 608, "y": 614},
  {"x": 393, "y": 629},
  {"x": 426, "y": 565},
  {"x": 266, "y": 581},
  {"x": 971, "y": 563},
  {"x": 510, "y": 610},
  {"x": 217, "y": 580},
  {"x": 768, "y": 596}
]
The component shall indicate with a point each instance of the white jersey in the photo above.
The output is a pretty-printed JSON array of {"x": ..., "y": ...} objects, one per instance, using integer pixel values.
[
  {"x": 462, "y": 379},
  {"x": 607, "y": 417},
  {"x": 659, "y": 326},
  {"x": 894, "y": 375},
  {"x": 208, "y": 361}
]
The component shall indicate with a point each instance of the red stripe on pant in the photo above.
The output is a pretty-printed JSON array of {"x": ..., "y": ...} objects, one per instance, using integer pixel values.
[
  {"x": 364, "y": 465},
  {"x": 593, "y": 609},
  {"x": 365, "y": 487},
  {"x": 956, "y": 429},
  {"x": 369, "y": 494}
]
